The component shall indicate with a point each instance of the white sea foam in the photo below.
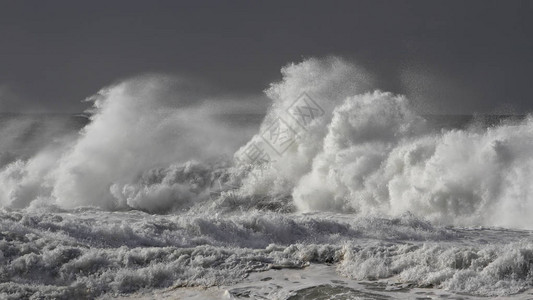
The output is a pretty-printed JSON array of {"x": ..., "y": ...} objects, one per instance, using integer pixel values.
[
  {"x": 365, "y": 185},
  {"x": 87, "y": 252}
]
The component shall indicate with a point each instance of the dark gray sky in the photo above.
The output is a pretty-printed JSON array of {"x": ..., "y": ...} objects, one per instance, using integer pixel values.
[{"x": 468, "y": 56}]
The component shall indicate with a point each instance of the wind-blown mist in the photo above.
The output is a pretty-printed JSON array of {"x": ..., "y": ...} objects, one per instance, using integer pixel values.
[
  {"x": 153, "y": 143},
  {"x": 137, "y": 125},
  {"x": 167, "y": 185},
  {"x": 372, "y": 153}
]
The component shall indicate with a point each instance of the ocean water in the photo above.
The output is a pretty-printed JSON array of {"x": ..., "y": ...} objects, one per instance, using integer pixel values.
[{"x": 338, "y": 191}]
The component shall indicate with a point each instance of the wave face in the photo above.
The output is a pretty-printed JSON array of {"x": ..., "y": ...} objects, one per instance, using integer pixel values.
[{"x": 336, "y": 172}]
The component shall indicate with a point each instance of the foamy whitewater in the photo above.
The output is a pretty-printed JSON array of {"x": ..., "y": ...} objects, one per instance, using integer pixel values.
[{"x": 342, "y": 190}]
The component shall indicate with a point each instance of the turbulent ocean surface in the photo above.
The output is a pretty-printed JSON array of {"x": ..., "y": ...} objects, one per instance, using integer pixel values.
[{"x": 339, "y": 191}]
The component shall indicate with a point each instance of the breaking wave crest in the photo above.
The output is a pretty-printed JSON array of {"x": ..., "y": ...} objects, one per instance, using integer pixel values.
[
  {"x": 154, "y": 143},
  {"x": 165, "y": 186}
]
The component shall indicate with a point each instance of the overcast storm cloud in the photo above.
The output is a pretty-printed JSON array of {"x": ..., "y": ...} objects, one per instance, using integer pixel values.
[{"x": 56, "y": 53}]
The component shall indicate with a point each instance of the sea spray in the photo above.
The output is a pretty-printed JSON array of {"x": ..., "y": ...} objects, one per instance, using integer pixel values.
[
  {"x": 156, "y": 191},
  {"x": 369, "y": 152}
]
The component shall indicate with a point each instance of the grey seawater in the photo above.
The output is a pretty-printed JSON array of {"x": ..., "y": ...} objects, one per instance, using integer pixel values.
[
  {"x": 51, "y": 253},
  {"x": 85, "y": 253},
  {"x": 334, "y": 292}
]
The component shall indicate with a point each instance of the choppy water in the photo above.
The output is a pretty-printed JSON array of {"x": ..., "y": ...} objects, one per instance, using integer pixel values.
[{"x": 339, "y": 191}]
